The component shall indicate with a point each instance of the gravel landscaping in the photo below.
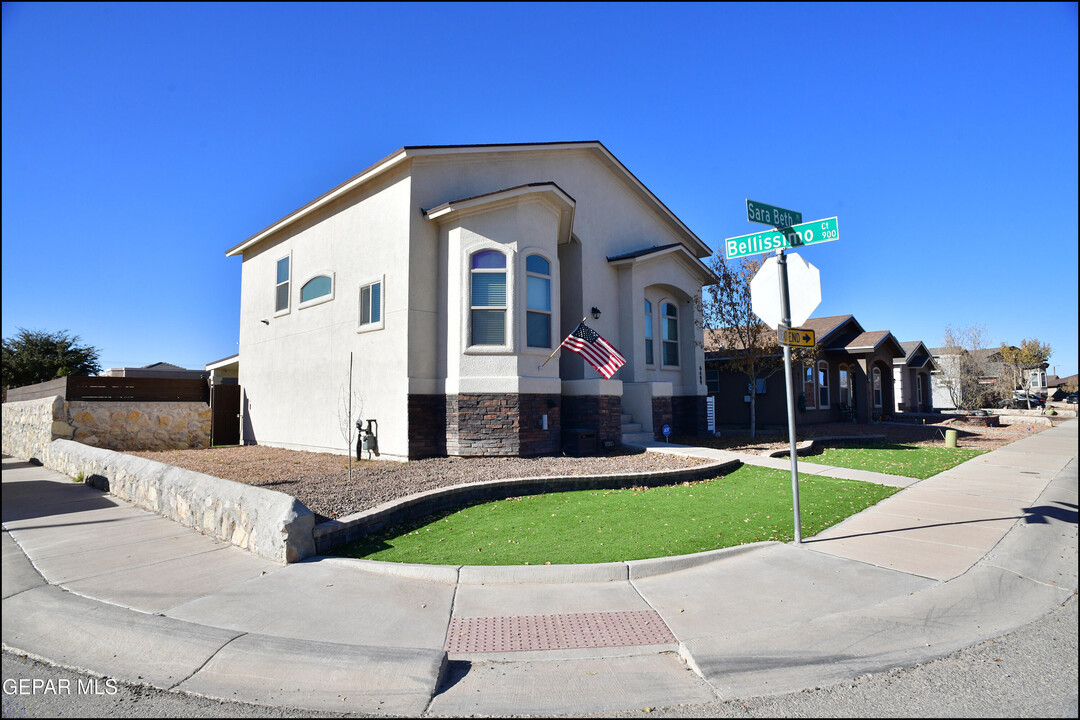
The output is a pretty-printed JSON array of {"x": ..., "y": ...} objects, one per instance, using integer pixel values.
[{"x": 321, "y": 482}]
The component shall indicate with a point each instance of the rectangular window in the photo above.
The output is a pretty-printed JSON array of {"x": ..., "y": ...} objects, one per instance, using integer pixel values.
[
  {"x": 371, "y": 304},
  {"x": 281, "y": 300},
  {"x": 648, "y": 334},
  {"x": 845, "y": 395},
  {"x": 712, "y": 381}
]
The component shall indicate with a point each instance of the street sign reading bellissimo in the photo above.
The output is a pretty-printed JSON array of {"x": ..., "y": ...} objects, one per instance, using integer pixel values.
[
  {"x": 810, "y": 233},
  {"x": 771, "y": 215}
]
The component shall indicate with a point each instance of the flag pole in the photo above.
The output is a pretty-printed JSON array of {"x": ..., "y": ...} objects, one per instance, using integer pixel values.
[{"x": 541, "y": 367}]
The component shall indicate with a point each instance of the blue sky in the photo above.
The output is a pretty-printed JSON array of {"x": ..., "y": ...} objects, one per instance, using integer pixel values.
[{"x": 142, "y": 141}]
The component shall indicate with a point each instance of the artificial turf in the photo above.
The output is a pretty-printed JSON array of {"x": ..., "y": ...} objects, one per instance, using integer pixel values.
[
  {"x": 913, "y": 461},
  {"x": 751, "y": 504}
]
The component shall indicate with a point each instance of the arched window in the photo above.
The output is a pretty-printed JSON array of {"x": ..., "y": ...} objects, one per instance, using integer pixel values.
[
  {"x": 648, "y": 334},
  {"x": 877, "y": 387},
  {"x": 488, "y": 298},
  {"x": 670, "y": 333},
  {"x": 538, "y": 301},
  {"x": 316, "y": 287},
  {"x": 845, "y": 386},
  {"x": 823, "y": 384}
]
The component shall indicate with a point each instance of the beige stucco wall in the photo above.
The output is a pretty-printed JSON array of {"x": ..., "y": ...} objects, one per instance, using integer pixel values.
[{"x": 293, "y": 369}]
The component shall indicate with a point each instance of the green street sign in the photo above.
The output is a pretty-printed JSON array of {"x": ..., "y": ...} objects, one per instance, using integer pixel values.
[
  {"x": 771, "y": 215},
  {"x": 795, "y": 337},
  {"x": 810, "y": 233}
]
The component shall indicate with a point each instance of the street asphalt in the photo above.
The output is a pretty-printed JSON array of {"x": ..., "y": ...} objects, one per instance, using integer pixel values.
[{"x": 94, "y": 584}]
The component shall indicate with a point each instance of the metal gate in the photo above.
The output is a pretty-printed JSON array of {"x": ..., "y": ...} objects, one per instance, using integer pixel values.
[{"x": 225, "y": 415}]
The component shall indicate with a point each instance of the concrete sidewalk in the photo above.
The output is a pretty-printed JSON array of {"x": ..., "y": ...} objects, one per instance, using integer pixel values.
[{"x": 92, "y": 583}]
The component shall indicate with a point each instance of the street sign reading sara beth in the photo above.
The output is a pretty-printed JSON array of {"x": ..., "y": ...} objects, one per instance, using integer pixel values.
[
  {"x": 771, "y": 215},
  {"x": 810, "y": 233},
  {"x": 795, "y": 337}
]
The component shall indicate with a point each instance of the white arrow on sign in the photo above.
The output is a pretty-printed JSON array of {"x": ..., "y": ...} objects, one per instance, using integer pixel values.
[{"x": 804, "y": 291}]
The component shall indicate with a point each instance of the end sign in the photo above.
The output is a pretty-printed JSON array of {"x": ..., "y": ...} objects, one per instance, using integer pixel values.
[{"x": 795, "y": 337}]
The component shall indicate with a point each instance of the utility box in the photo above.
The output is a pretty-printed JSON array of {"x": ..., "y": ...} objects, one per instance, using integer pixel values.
[{"x": 579, "y": 441}]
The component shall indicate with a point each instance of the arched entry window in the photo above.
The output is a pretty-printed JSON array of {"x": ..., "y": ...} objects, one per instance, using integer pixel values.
[
  {"x": 670, "y": 326},
  {"x": 845, "y": 386},
  {"x": 648, "y": 334}
]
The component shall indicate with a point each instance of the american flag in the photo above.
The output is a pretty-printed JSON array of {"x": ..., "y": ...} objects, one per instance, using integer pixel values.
[{"x": 599, "y": 353}]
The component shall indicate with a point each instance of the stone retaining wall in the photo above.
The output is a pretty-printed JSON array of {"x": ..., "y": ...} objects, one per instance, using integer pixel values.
[
  {"x": 141, "y": 425},
  {"x": 30, "y": 425},
  {"x": 268, "y": 523}
]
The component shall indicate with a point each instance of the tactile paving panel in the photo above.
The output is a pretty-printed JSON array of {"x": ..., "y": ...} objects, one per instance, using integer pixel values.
[{"x": 557, "y": 632}]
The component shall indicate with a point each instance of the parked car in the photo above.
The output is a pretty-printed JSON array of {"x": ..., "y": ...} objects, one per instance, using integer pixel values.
[
  {"x": 1071, "y": 399},
  {"x": 1019, "y": 401}
]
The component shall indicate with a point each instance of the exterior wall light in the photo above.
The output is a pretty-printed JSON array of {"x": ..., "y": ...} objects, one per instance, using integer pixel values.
[{"x": 596, "y": 313}]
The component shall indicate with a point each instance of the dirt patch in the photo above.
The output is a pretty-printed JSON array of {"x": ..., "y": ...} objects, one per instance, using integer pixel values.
[{"x": 321, "y": 480}]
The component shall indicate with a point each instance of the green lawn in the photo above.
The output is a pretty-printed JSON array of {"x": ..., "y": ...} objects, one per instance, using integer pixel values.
[
  {"x": 913, "y": 461},
  {"x": 588, "y": 526}
]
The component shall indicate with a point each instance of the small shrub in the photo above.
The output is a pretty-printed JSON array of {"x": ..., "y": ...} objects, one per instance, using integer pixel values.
[{"x": 79, "y": 478}]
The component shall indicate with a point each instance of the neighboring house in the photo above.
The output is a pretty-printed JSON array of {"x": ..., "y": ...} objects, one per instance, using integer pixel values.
[
  {"x": 912, "y": 379},
  {"x": 851, "y": 379},
  {"x": 155, "y": 370},
  {"x": 994, "y": 371},
  {"x": 1059, "y": 387},
  {"x": 449, "y": 274}
]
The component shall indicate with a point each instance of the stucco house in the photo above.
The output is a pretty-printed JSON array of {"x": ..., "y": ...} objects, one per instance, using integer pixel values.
[
  {"x": 852, "y": 379},
  {"x": 450, "y": 273}
]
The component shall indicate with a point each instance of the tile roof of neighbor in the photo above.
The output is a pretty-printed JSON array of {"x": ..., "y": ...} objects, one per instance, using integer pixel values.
[
  {"x": 824, "y": 326},
  {"x": 162, "y": 366},
  {"x": 867, "y": 340}
]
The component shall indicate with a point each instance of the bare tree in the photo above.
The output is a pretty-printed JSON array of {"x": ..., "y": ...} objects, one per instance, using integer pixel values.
[
  {"x": 350, "y": 405},
  {"x": 964, "y": 366},
  {"x": 1031, "y": 355},
  {"x": 733, "y": 330}
]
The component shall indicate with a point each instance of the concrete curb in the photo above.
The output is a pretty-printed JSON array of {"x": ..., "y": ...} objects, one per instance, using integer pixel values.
[{"x": 432, "y": 573}]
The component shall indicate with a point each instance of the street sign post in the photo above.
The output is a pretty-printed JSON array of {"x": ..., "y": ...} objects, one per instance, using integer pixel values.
[
  {"x": 796, "y": 301},
  {"x": 811, "y": 233},
  {"x": 795, "y": 337},
  {"x": 771, "y": 215}
]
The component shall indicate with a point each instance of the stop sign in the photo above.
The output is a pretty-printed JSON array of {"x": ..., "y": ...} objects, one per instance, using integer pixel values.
[{"x": 804, "y": 290}]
